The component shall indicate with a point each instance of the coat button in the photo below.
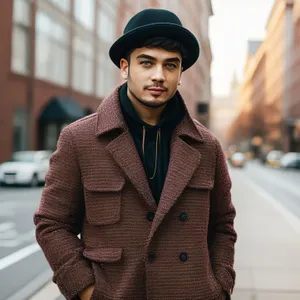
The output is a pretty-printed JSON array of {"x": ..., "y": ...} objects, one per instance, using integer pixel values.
[
  {"x": 150, "y": 216},
  {"x": 183, "y": 256},
  {"x": 151, "y": 257},
  {"x": 183, "y": 216}
]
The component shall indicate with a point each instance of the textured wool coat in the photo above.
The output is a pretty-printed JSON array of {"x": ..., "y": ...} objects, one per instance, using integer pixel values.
[{"x": 98, "y": 221}]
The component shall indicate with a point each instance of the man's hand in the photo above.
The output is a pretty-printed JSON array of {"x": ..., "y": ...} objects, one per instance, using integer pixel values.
[{"x": 86, "y": 294}]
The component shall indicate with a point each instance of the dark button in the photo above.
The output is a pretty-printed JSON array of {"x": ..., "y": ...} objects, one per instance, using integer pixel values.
[
  {"x": 184, "y": 256},
  {"x": 151, "y": 257},
  {"x": 183, "y": 217},
  {"x": 150, "y": 216}
]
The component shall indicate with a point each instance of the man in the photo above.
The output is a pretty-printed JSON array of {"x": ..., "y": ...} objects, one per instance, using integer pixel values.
[{"x": 144, "y": 185}]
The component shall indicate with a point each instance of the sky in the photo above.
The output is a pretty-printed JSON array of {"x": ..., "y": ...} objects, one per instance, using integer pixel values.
[{"x": 234, "y": 23}]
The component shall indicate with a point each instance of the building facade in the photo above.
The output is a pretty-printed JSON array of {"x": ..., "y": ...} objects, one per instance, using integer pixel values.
[
  {"x": 270, "y": 90},
  {"x": 55, "y": 66},
  {"x": 224, "y": 110}
]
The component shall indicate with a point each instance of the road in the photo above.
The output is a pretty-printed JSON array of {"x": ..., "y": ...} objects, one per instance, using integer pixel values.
[
  {"x": 22, "y": 263},
  {"x": 21, "y": 259},
  {"x": 284, "y": 185}
]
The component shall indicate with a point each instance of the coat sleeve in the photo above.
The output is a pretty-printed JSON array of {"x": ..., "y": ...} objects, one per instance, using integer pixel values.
[
  {"x": 58, "y": 220},
  {"x": 221, "y": 235}
]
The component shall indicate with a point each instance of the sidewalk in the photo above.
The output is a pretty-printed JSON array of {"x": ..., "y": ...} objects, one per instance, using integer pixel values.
[{"x": 267, "y": 260}]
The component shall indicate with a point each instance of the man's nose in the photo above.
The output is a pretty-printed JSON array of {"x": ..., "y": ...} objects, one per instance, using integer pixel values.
[{"x": 158, "y": 74}]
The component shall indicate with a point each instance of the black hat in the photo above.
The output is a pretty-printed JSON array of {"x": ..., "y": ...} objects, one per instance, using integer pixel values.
[{"x": 150, "y": 23}]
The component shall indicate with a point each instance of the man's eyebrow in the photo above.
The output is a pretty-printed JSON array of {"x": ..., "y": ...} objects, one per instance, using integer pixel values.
[
  {"x": 171, "y": 59},
  {"x": 145, "y": 56}
]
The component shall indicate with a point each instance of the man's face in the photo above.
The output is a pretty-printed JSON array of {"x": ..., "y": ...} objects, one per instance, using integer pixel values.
[{"x": 153, "y": 75}]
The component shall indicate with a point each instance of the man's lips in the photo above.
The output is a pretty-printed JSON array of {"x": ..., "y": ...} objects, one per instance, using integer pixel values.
[{"x": 156, "y": 91}]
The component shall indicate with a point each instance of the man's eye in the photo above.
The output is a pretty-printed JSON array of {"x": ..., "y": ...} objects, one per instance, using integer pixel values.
[
  {"x": 146, "y": 63},
  {"x": 171, "y": 66}
]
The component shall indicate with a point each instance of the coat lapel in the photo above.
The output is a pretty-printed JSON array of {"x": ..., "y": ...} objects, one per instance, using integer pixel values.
[
  {"x": 126, "y": 156},
  {"x": 184, "y": 161}
]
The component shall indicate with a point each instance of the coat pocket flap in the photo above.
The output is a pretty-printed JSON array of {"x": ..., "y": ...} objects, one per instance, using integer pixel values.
[
  {"x": 203, "y": 184},
  {"x": 96, "y": 185},
  {"x": 103, "y": 255}
]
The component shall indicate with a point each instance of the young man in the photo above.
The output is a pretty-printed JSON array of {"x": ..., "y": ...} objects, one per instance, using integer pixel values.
[{"x": 145, "y": 186}]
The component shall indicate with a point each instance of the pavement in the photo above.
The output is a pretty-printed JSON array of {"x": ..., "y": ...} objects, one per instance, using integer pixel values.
[{"x": 267, "y": 260}]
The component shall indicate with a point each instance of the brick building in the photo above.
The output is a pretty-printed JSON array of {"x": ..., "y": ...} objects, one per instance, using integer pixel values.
[
  {"x": 55, "y": 66},
  {"x": 270, "y": 90}
]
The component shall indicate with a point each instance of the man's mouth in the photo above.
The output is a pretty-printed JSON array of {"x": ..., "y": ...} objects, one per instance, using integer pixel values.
[{"x": 156, "y": 91}]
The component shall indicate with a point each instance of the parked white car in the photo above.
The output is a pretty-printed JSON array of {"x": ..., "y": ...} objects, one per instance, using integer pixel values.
[
  {"x": 291, "y": 160},
  {"x": 25, "y": 168}
]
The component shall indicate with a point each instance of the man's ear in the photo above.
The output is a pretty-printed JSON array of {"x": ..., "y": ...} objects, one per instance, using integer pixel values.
[
  {"x": 179, "y": 82},
  {"x": 124, "y": 68}
]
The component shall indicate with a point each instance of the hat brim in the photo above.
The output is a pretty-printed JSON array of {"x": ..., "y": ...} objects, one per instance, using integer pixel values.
[{"x": 128, "y": 41}]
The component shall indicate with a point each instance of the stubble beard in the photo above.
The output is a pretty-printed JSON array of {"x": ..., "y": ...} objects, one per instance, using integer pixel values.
[{"x": 145, "y": 102}]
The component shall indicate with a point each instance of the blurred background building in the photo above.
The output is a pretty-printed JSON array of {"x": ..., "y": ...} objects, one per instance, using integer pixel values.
[
  {"x": 224, "y": 110},
  {"x": 55, "y": 66},
  {"x": 270, "y": 114}
]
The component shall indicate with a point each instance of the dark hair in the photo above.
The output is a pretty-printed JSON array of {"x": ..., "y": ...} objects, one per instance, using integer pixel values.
[{"x": 160, "y": 42}]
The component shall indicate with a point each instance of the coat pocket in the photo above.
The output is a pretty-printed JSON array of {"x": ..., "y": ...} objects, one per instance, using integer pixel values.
[
  {"x": 103, "y": 255},
  {"x": 103, "y": 202},
  {"x": 103, "y": 258}
]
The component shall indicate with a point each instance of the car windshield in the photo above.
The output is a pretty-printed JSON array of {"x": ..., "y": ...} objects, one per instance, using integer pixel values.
[
  {"x": 275, "y": 154},
  {"x": 23, "y": 157}
]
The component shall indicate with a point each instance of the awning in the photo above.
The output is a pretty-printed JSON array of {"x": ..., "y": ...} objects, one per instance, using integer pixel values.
[{"x": 62, "y": 109}]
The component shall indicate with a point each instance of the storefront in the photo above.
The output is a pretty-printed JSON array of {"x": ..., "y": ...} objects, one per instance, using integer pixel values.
[{"x": 58, "y": 113}]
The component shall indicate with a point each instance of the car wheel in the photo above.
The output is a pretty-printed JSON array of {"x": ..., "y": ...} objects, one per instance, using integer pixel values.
[{"x": 34, "y": 181}]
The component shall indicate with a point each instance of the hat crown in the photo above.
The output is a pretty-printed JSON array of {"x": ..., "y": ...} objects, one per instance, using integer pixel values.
[{"x": 151, "y": 16}]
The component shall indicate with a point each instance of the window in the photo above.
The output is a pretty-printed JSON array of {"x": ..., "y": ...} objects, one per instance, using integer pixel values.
[
  {"x": 106, "y": 76},
  {"x": 20, "y": 130},
  {"x": 202, "y": 108},
  {"x": 84, "y": 12},
  {"x": 61, "y": 4},
  {"x": 21, "y": 37},
  {"x": 107, "y": 21},
  {"x": 107, "y": 27},
  {"x": 51, "y": 49},
  {"x": 83, "y": 65},
  {"x": 107, "y": 33}
]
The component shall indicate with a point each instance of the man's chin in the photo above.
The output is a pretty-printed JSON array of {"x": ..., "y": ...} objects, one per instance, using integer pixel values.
[{"x": 154, "y": 103}]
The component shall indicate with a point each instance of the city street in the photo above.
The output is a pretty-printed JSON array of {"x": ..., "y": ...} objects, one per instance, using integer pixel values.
[{"x": 267, "y": 252}]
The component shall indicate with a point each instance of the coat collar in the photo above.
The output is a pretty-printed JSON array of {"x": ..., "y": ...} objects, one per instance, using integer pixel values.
[{"x": 110, "y": 117}]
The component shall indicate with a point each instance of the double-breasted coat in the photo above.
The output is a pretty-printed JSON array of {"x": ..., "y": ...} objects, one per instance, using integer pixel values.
[{"x": 98, "y": 222}]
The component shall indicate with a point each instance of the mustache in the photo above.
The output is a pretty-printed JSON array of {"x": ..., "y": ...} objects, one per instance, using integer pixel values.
[{"x": 155, "y": 86}]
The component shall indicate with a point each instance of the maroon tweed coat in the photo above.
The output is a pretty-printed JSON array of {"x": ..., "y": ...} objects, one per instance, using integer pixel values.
[{"x": 96, "y": 187}]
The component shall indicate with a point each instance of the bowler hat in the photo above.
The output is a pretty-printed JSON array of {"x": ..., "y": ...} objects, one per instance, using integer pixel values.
[{"x": 150, "y": 23}]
